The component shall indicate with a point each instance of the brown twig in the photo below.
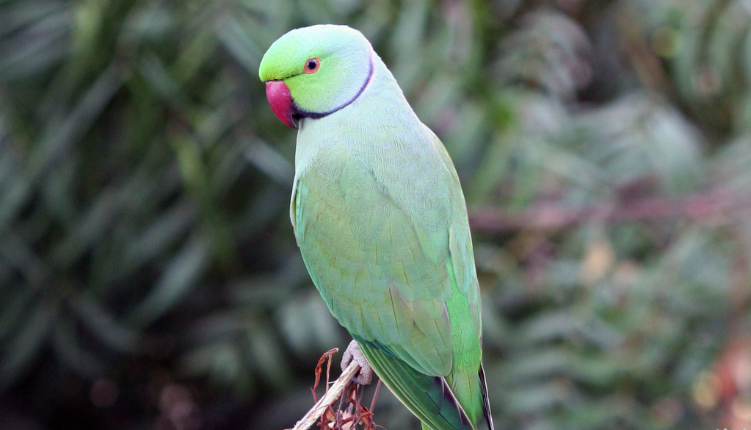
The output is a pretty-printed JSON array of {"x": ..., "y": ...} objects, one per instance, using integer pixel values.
[
  {"x": 375, "y": 395},
  {"x": 332, "y": 394}
]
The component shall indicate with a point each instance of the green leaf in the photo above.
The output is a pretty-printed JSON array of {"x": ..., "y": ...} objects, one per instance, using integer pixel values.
[
  {"x": 27, "y": 343},
  {"x": 66, "y": 346},
  {"x": 104, "y": 326},
  {"x": 178, "y": 279}
]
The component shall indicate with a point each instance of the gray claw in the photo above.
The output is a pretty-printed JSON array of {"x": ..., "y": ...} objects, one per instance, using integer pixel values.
[{"x": 365, "y": 376}]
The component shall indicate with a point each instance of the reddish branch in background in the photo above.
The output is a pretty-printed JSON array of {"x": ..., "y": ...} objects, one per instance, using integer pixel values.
[{"x": 714, "y": 207}]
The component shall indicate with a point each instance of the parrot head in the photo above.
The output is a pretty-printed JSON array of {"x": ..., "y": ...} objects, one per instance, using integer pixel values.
[{"x": 314, "y": 71}]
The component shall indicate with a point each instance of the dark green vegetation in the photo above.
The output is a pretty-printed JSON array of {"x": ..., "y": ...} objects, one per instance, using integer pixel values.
[{"x": 149, "y": 276}]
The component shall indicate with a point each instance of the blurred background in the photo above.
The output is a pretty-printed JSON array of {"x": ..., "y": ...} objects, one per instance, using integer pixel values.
[{"x": 149, "y": 278}]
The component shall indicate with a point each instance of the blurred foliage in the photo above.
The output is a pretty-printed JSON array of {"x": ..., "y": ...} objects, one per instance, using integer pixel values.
[{"x": 148, "y": 270}]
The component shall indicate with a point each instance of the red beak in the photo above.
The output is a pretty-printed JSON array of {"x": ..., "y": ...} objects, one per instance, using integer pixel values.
[{"x": 281, "y": 102}]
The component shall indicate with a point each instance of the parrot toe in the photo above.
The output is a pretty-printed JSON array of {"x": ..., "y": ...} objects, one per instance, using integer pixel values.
[{"x": 365, "y": 375}]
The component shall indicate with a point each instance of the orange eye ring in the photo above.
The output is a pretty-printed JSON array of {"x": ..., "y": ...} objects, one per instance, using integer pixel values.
[{"x": 312, "y": 65}]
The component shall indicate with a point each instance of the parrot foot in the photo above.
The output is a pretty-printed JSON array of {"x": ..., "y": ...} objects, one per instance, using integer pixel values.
[{"x": 365, "y": 375}]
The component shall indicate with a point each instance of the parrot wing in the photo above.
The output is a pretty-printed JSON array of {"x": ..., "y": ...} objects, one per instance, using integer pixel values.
[{"x": 388, "y": 254}]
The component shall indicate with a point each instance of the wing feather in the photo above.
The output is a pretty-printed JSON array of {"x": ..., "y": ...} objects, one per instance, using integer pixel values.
[
  {"x": 361, "y": 246},
  {"x": 391, "y": 259}
]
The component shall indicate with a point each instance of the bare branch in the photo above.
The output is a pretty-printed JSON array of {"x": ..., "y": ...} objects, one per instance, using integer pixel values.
[{"x": 329, "y": 398}]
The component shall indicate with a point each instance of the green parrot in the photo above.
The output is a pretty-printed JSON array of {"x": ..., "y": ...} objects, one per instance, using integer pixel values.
[{"x": 381, "y": 221}]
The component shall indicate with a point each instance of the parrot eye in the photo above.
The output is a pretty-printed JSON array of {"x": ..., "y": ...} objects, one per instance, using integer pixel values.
[{"x": 312, "y": 65}]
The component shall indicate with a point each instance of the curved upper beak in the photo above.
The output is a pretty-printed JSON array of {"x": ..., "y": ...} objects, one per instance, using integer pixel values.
[{"x": 281, "y": 103}]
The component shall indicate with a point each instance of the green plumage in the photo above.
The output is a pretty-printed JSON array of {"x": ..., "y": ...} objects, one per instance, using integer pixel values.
[{"x": 381, "y": 221}]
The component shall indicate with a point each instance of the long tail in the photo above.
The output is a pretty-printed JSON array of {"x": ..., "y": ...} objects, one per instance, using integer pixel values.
[
  {"x": 485, "y": 399},
  {"x": 428, "y": 397}
]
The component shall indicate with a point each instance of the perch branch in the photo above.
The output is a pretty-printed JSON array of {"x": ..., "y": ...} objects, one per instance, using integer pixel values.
[{"x": 333, "y": 393}]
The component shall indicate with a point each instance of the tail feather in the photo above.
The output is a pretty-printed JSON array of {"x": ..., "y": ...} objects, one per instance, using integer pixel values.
[
  {"x": 428, "y": 397},
  {"x": 485, "y": 399}
]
